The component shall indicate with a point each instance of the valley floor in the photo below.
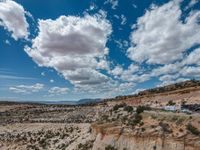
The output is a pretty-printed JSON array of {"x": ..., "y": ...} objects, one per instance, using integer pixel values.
[{"x": 98, "y": 127}]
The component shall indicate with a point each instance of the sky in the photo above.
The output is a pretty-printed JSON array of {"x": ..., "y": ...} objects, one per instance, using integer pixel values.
[{"x": 73, "y": 49}]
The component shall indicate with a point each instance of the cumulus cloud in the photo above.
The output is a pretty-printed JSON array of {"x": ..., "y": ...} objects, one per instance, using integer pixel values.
[
  {"x": 12, "y": 18},
  {"x": 190, "y": 71},
  {"x": 193, "y": 58},
  {"x": 27, "y": 89},
  {"x": 172, "y": 81},
  {"x": 74, "y": 46},
  {"x": 58, "y": 91},
  {"x": 166, "y": 69},
  {"x": 161, "y": 37},
  {"x": 131, "y": 74}
]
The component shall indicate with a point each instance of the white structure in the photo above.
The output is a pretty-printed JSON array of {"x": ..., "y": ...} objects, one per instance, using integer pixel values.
[{"x": 170, "y": 108}]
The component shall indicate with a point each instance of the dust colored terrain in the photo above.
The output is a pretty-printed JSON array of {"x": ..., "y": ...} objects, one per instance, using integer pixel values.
[{"x": 134, "y": 122}]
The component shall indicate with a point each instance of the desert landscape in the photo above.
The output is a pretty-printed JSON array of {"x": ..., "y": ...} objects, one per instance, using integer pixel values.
[
  {"x": 100, "y": 75},
  {"x": 140, "y": 121}
]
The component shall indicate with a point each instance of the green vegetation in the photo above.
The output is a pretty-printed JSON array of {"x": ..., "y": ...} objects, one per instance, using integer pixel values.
[
  {"x": 128, "y": 109},
  {"x": 171, "y": 103},
  {"x": 117, "y": 106},
  {"x": 86, "y": 146},
  {"x": 193, "y": 129},
  {"x": 136, "y": 119},
  {"x": 140, "y": 109},
  {"x": 109, "y": 147}
]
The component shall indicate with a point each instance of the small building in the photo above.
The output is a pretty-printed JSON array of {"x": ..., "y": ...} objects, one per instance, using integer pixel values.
[{"x": 171, "y": 108}]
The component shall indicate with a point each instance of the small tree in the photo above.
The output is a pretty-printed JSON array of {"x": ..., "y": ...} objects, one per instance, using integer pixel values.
[
  {"x": 140, "y": 109},
  {"x": 117, "y": 106},
  {"x": 171, "y": 103},
  {"x": 128, "y": 108}
]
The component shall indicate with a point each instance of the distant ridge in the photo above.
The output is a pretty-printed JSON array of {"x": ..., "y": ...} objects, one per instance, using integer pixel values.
[
  {"x": 79, "y": 102},
  {"x": 88, "y": 101},
  {"x": 163, "y": 89},
  {"x": 171, "y": 87}
]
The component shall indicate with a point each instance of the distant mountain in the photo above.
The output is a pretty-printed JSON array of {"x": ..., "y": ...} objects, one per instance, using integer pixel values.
[
  {"x": 79, "y": 102},
  {"x": 87, "y": 101}
]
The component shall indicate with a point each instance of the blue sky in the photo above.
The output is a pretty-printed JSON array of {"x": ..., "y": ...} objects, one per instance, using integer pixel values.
[{"x": 69, "y": 50}]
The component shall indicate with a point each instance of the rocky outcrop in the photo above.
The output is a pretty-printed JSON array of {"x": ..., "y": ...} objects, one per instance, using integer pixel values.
[{"x": 120, "y": 139}]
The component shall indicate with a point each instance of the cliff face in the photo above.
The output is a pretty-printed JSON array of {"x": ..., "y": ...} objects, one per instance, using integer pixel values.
[
  {"x": 137, "y": 143},
  {"x": 122, "y": 140}
]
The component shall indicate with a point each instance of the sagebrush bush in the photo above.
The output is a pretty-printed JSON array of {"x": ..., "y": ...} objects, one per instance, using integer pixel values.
[{"x": 193, "y": 129}]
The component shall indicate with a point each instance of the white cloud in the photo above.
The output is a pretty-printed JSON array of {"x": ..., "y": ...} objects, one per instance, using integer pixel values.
[
  {"x": 172, "y": 81},
  {"x": 131, "y": 74},
  {"x": 12, "y": 18},
  {"x": 124, "y": 20},
  {"x": 192, "y": 3},
  {"x": 14, "y": 77},
  {"x": 190, "y": 71},
  {"x": 161, "y": 37},
  {"x": 7, "y": 42},
  {"x": 136, "y": 77},
  {"x": 168, "y": 77},
  {"x": 116, "y": 16},
  {"x": 117, "y": 71},
  {"x": 43, "y": 74},
  {"x": 134, "y": 6},
  {"x": 124, "y": 87},
  {"x": 27, "y": 89},
  {"x": 138, "y": 90},
  {"x": 58, "y": 91},
  {"x": 74, "y": 46},
  {"x": 122, "y": 44},
  {"x": 114, "y": 3},
  {"x": 193, "y": 57},
  {"x": 51, "y": 81},
  {"x": 166, "y": 69}
]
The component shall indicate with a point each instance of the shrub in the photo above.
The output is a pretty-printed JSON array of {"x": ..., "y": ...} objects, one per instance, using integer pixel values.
[
  {"x": 143, "y": 129},
  {"x": 138, "y": 118},
  {"x": 193, "y": 129},
  {"x": 128, "y": 108},
  {"x": 165, "y": 127},
  {"x": 117, "y": 106},
  {"x": 109, "y": 147},
  {"x": 140, "y": 109},
  {"x": 171, "y": 103},
  {"x": 181, "y": 130},
  {"x": 86, "y": 146},
  {"x": 135, "y": 120},
  {"x": 104, "y": 117}
]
